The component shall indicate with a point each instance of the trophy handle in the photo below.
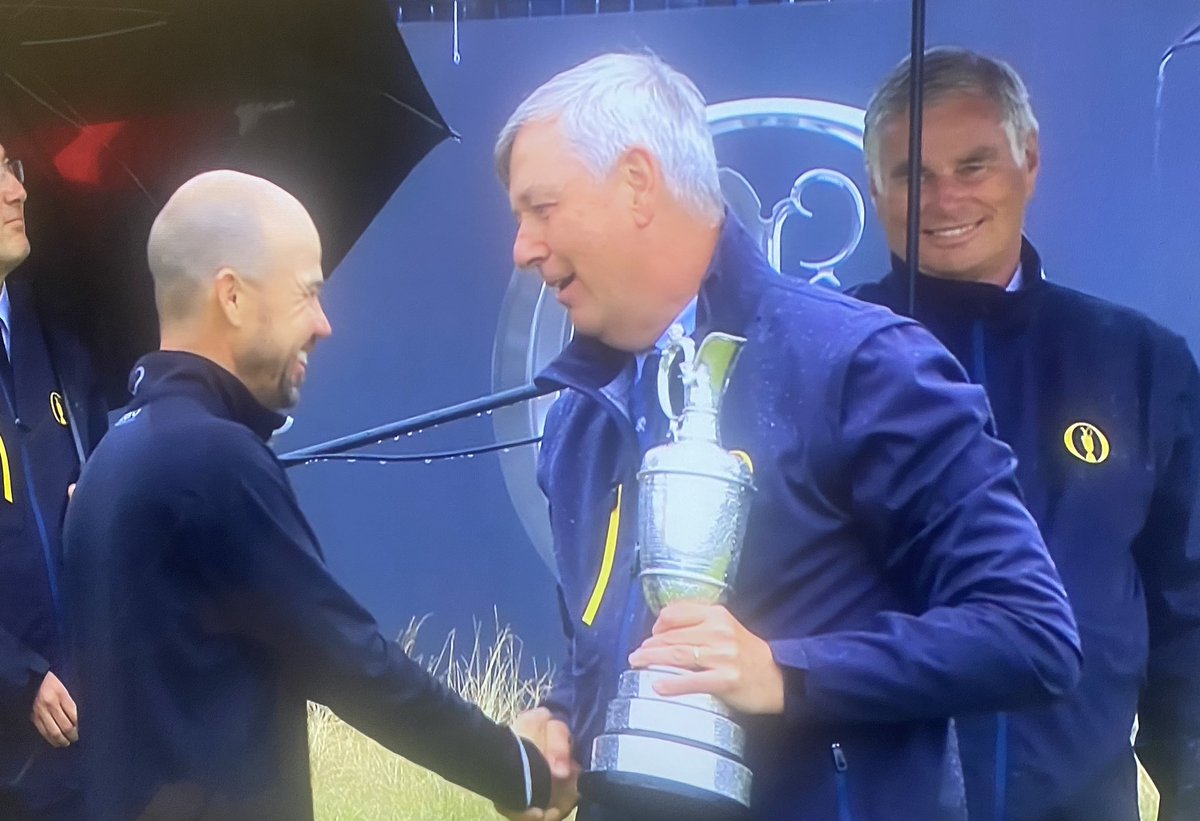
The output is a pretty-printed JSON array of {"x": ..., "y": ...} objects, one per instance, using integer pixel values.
[
  {"x": 679, "y": 345},
  {"x": 714, "y": 364}
]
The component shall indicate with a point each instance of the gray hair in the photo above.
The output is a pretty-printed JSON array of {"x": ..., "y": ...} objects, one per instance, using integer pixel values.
[
  {"x": 616, "y": 102},
  {"x": 949, "y": 71}
]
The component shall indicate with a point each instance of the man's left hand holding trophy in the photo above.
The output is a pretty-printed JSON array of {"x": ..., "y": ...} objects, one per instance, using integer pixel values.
[{"x": 728, "y": 661}]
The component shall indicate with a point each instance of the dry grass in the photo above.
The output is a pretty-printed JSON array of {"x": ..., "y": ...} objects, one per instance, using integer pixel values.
[
  {"x": 1147, "y": 796},
  {"x": 355, "y": 779}
]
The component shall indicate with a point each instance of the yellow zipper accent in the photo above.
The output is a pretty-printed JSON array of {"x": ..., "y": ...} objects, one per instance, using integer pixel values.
[
  {"x": 8, "y": 497},
  {"x": 606, "y": 564}
]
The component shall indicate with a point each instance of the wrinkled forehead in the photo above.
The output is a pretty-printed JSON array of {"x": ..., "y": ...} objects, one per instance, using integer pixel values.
[
  {"x": 961, "y": 123},
  {"x": 543, "y": 160}
]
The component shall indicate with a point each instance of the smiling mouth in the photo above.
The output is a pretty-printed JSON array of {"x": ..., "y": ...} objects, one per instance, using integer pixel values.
[
  {"x": 953, "y": 231},
  {"x": 560, "y": 285}
]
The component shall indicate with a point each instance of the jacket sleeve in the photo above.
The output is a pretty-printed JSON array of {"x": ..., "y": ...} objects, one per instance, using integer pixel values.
[
  {"x": 21, "y": 673},
  {"x": 561, "y": 697},
  {"x": 933, "y": 494},
  {"x": 1168, "y": 553},
  {"x": 271, "y": 586}
]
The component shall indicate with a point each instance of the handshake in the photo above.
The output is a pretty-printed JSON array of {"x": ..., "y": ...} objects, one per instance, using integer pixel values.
[
  {"x": 553, "y": 739},
  {"x": 721, "y": 657}
]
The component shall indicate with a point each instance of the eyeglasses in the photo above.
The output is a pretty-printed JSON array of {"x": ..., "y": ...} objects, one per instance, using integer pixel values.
[{"x": 14, "y": 167}]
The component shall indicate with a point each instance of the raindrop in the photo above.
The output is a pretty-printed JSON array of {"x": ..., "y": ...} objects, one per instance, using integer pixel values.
[{"x": 429, "y": 461}]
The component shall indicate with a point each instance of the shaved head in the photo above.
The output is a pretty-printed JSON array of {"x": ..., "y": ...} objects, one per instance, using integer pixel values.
[
  {"x": 219, "y": 219},
  {"x": 237, "y": 273}
]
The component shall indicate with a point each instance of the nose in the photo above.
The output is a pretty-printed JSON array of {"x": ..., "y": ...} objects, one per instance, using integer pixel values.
[
  {"x": 529, "y": 249},
  {"x": 11, "y": 188},
  {"x": 323, "y": 329},
  {"x": 942, "y": 192}
]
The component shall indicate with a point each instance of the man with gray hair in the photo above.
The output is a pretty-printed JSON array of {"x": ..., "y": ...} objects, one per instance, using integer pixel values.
[
  {"x": 201, "y": 610},
  {"x": 1102, "y": 407},
  {"x": 890, "y": 577}
]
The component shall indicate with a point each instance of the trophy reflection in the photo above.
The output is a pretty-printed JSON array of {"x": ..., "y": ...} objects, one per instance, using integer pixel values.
[{"x": 682, "y": 753}]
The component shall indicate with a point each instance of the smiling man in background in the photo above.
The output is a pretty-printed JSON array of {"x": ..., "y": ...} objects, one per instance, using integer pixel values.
[{"x": 1102, "y": 407}]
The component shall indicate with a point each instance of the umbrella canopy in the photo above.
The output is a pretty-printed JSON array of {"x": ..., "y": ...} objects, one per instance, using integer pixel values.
[{"x": 112, "y": 104}]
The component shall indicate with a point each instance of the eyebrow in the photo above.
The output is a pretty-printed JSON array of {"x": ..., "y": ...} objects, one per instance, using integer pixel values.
[
  {"x": 535, "y": 192},
  {"x": 982, "y": 153}
]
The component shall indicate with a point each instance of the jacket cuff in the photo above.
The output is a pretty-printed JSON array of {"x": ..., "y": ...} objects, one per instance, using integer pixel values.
[
  {"x": 19, "y": 684},
  {"x": 793, "y": 663},
  {"x": 535, "y": 773}
]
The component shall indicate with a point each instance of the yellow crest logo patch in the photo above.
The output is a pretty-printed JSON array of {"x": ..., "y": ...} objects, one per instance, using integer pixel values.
[
  {"x": 56, "y": 408},
  {"x": 1086, "y": 442}
]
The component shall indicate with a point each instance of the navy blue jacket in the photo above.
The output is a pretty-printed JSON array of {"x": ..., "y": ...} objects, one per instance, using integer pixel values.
[
  {"x": 53, "y": 410},
  {"x": 1120, "y": 525},
  {"x": 203, "y": 616},
  {"x": 888, "y": 558}
]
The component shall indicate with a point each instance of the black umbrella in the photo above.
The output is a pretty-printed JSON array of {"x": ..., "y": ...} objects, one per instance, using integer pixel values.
[{"x": 111, "y": 105}]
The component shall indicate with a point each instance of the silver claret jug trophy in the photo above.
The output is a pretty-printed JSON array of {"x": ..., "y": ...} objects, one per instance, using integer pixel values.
[{"x": 682, "y": 756}]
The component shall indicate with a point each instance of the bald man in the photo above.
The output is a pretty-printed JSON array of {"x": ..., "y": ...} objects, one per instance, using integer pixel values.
[{"x": 203, "y": 613}]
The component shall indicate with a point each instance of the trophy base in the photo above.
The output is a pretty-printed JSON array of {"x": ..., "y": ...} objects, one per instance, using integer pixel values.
[
  {"x": 662, "y": 778},
  {"x": 640, "y": 796}
]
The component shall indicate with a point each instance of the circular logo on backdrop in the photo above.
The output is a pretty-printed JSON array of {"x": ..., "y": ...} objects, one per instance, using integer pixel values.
[{"x": 534, "y": 328}]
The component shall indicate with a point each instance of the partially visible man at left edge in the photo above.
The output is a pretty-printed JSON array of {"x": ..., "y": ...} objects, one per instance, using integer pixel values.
[{"x": 51, "y": 415}]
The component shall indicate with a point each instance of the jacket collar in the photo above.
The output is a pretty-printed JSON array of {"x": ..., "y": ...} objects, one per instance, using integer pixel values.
[
  {"x": 178, "y": 373},
  {"x": 937, "y": 297},
  {"x": 727, "y": 302}
]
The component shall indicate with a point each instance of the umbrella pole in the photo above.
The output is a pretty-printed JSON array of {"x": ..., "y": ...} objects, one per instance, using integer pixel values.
[
  {"x": 484, "y": 404},
  {"x": 916, "y": 109}
]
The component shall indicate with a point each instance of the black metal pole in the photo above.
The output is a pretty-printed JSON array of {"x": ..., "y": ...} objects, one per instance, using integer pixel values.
[
  {"x": 916, "y": 109},
  {"x": 414, "y": 423}
]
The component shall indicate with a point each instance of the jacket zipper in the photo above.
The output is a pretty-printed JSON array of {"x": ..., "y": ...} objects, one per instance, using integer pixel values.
[
  {"x": 978, "y": 355},
  {"x": 39, "y": 521},
  {"x": 1001, "y": 795},
  {"x": 843, "y": 787},
  {"x": 979, "y": 376}
]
